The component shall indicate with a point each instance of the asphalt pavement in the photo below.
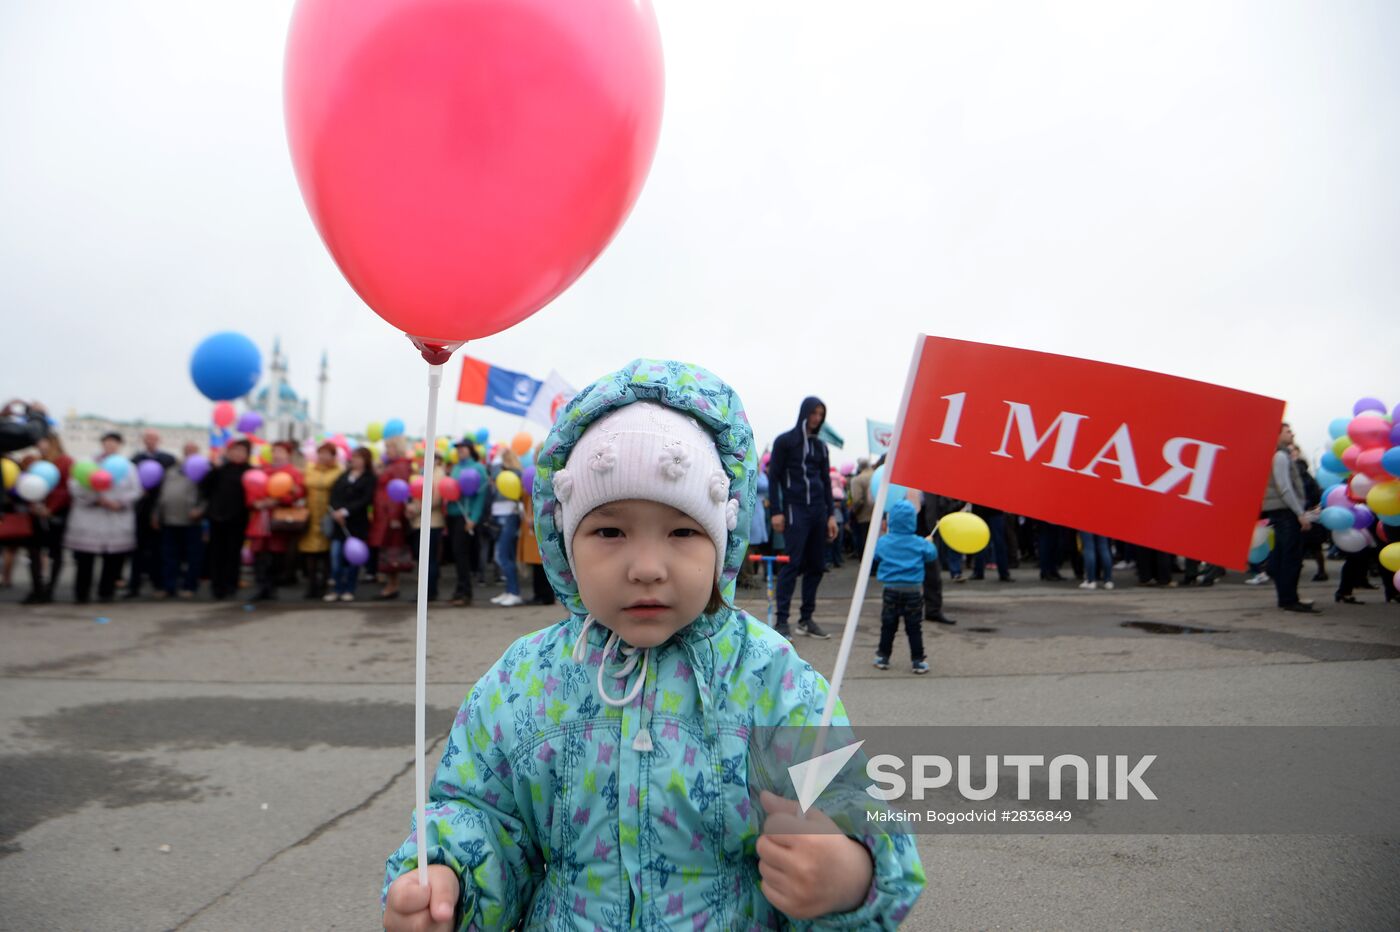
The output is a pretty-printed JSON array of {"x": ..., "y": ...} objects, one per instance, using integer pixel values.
[{"x": 222, "y": 766}]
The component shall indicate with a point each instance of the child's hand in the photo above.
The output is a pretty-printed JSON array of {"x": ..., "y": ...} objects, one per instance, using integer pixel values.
[
  {"x": 412, "y": 907},
  {"x": 809, "y": 867}
]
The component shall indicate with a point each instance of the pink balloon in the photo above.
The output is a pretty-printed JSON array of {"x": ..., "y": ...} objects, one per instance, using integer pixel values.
[
  {"x": 255, "y": 484},
  {"x": 1338, "y": 498},
  {"x": 415, "y": 486},
  {"x": 1349, "y": 456},
  {"x": 1367, "y": 431},
  {"x": 224, "y": 414},
  {"x": 465, "y": 162},
  {"x": 1359, "y": 486}
]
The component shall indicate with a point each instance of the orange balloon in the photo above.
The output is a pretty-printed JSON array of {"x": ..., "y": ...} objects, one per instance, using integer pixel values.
[
  {"x": 279, "y": 484},
  {"x": 521, "y": 443}
]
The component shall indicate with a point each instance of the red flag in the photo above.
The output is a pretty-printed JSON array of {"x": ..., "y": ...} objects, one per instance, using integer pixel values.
[{"x": 1152, "y": 459}]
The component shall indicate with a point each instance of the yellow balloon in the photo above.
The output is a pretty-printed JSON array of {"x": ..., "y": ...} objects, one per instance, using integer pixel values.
[
  {"x": 964, "y": 532},
  {"x": 1340, "y": 444},
  {"x": 508, "y": 484},
  {"x": 374, "y": 432},
  {"x": 1390, "y": 557},
  {"x": 10, "y": 470},
  {"x": 1384, "y": 498}
]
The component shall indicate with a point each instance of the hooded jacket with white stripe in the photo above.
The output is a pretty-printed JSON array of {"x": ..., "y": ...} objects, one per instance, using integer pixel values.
[{"x": 560, "y": 811}]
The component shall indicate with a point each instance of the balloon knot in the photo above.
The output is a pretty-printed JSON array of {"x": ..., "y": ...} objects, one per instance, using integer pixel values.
[{"x": 436, "y": 352}]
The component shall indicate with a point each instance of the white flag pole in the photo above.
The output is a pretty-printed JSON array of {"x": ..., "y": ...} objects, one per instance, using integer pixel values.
[
  {"x": 867, "y": 559},
  {"x": 420, "y": 696}
]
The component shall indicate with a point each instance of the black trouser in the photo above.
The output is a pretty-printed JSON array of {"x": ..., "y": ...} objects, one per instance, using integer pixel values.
[
  {"x": 933, "y": 591},
  {"x": 860, "y": 529},
  {"x": 146, "y": 558},
  {"x": 902, "y": 604},
  {"x": 539, "y": 582},
  {"x": 225, "y": 557},
  {"x": 318, "y": 572},
  {"x": 1355, "y": 570},
  {"x": 107, "y": 584},
  {"x": 1153, "y": 566},
  {"x": 265, "y": 572},
  {"x": 805, "y": 535},
  {"x": 464, "y": 554},
  {"x": 48, "y": 537},
  {"x": 1286, "y": 560},
  {"x": 434, "y": 545},
  {"x": 181, "y": 546}
]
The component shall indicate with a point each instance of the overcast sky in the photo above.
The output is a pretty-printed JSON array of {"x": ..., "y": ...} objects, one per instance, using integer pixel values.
[{"x": 1205, "y": 189}]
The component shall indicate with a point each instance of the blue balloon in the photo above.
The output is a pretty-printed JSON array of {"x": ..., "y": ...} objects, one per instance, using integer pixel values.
[
  {"x": 1338, "y": 427},
  {"x": 528, "y": 459},
  {"x": 225, "y": 366},
  {"x": 1333, "y": 464},
  {"x": 117, "y": 467},
  {"x": 1328, "y": 480},
  {"x": 393, "y": 428},
  {"x": 897, "y": 493},
  {"x": 1389, "y": 520},
  {"x": 483, "y": 435},
  {"x": 1259, "y": 554},
  {"x": 45, "y": 470},
  {"x": 1337, "y": 518},
  {"x": 1390, "y": 461}
]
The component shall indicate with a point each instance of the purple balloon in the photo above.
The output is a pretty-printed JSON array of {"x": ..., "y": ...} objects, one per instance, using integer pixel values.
[
  {"x": 527, "y": 480},
  {"x": 398, "y": 490},
  {"x": 249, "y": 422},
  {"x": 1363, "y": 517},
  {"x": 197, "y": 467},
  {"x": 150, "y": 473},
  {"x": 1368, "y": 404},
  {"x": 469, "y": 482},
  {"x": 1395, "y": 433},
  {"x": 356, "y": 551}
]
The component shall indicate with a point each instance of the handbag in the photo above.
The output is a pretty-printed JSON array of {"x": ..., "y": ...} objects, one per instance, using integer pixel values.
[
  {"x": 396, "y": 560},
  {"x": 290, "y": 520},
  {"x": 16, "y": 525}
]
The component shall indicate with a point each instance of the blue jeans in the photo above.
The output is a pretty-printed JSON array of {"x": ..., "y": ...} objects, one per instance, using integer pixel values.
[
  {"x": 344, "y": 574},
  {"x": 1098, "y": 561},
  {"x": 997, "y": 547},
  {"x": 181, "y": 546},
  {"x": 505, "y": 550}
]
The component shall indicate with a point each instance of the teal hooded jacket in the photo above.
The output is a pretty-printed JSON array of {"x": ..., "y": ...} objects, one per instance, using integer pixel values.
[{"x": 559, "y": 811}]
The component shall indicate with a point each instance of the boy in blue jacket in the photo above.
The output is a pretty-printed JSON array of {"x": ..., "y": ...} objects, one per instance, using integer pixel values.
[
  {"x": 598, "y": 776},
  {"x": 900, "y": 557}
]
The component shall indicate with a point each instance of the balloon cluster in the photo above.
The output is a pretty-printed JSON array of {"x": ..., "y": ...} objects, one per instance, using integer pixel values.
[
  {"x": 35, "y": 483},
  {"x": 1360, "y": 475}
]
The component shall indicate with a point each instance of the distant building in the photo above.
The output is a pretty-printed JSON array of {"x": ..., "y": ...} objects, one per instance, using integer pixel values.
[
  {"x": 285, "y": 414},
  {"x": 82, "y": 435}
]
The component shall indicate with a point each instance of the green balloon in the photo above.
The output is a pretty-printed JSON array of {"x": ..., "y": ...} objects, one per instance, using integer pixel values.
[{"x": 82, "y": 471}]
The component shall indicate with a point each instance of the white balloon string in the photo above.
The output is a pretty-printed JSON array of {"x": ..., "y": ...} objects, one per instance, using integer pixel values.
[{"x": 420, "y": 694}]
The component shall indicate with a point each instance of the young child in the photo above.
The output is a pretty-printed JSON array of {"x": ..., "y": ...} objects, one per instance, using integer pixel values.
[
  {"x": 900, "y": 556},
  {"x": 597, "y": 776}
]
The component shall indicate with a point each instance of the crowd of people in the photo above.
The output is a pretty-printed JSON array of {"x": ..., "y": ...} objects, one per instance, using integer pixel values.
[{"x": 303, "y": 527}]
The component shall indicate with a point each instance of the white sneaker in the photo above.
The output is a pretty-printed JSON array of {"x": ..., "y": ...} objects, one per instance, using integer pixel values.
[
  {"x": 510, "y": 600},
  {"x": 1088, "y": 584},
  {"x": 1108, "y": 584},
  {"x": 1257, "y": 580},
  {"x": 329, "y": 597},
  {"x": 496, "y": 599},
  {"x": 347, "y": 597}
]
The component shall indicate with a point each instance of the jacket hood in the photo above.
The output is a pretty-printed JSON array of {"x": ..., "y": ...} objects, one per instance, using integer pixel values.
[
  {"x": 809, "y": 404},
  {"x": 686, "y": 388},
  {"x": 903, "y": 518}
]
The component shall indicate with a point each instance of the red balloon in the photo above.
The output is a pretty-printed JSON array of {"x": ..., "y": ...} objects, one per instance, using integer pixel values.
[
  {"x": 448, "y": 489},
  {"x": 1368, "y": 462},
  {"x": 415, "y": 486},
  {"x": 101, "y": 480},
  {"x": 465, "y": 162},
  {"x": 1349, "y": 456},
  {"x": 224, "y": 414}
]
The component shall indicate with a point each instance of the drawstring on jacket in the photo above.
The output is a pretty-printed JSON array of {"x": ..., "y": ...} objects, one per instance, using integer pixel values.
[{"x": 613, "y": 646}]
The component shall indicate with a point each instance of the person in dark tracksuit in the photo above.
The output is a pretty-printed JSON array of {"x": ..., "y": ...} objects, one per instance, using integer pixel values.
[{"x": 799, "y": 488}]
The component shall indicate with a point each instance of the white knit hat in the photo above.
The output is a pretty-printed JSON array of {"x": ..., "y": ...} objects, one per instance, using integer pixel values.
[{"x": 647, "y": 451}]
